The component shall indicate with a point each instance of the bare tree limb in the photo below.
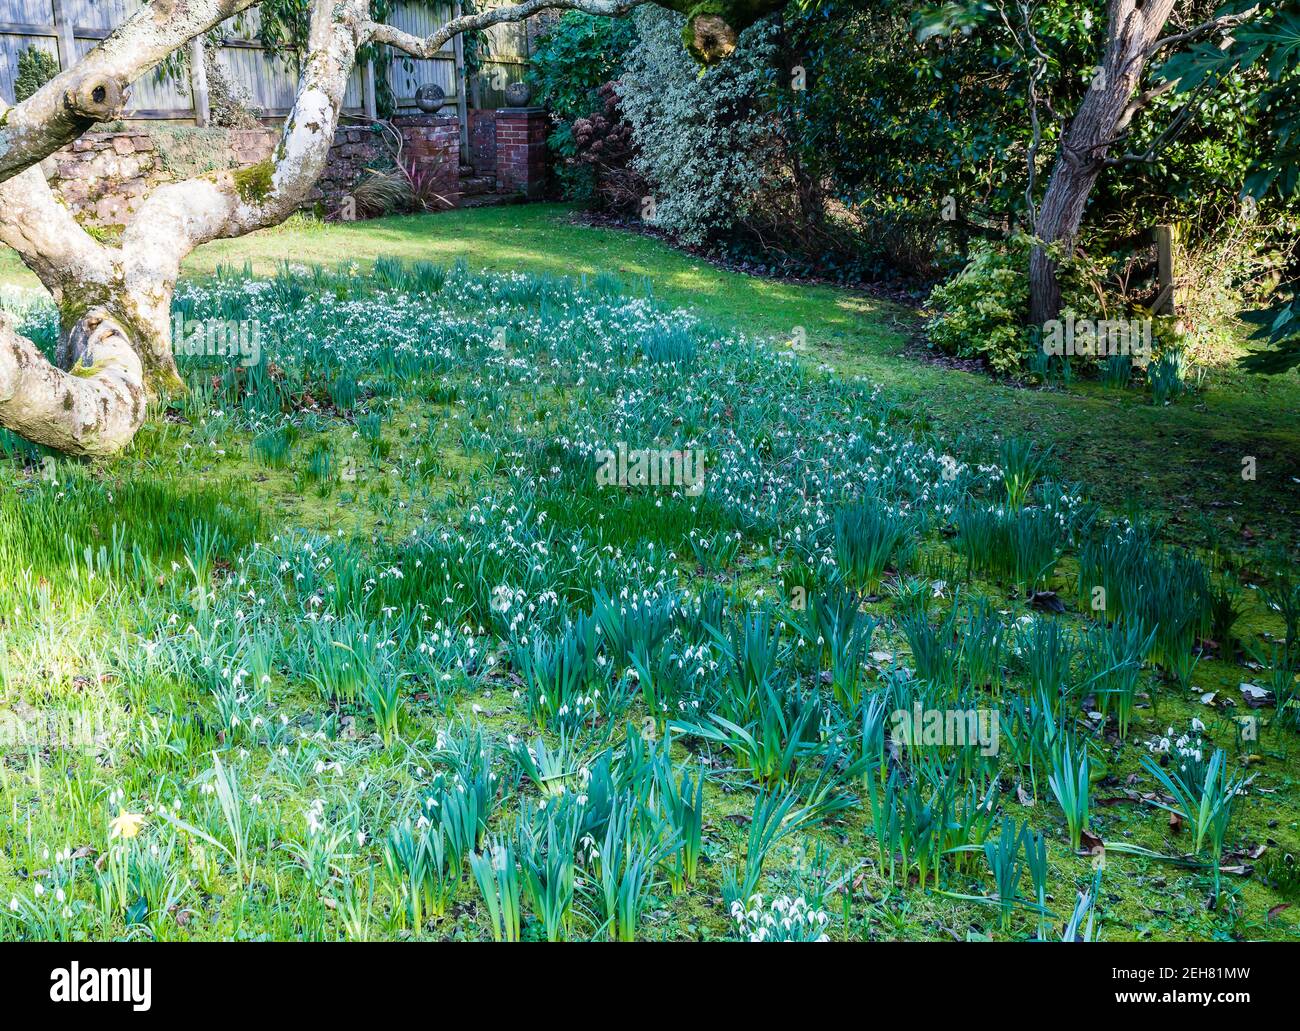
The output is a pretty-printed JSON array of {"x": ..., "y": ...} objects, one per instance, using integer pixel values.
[
  {"x": 428, "y": 46},
  {"x": 1140, "y": 103},
  {"x": 1213, "y": 27},
  {"x": 48, "y": 238},
  {"x": 1038, "y": 64},
  {"x": 1182, "y": 118},
  {"x": 115, "y": 302},
  {"x": 94, "y": 409}
]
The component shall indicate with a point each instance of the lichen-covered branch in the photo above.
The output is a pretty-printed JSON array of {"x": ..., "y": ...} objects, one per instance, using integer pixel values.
[
  {"x": 426, "y": 47},
  {"x": 48, "y": 239},
  {"x": 80, "y": 273},
  {"x": 178, "y": 217}
]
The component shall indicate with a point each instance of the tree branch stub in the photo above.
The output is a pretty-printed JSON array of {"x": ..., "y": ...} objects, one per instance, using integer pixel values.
[{"x": 96, "y": 99}]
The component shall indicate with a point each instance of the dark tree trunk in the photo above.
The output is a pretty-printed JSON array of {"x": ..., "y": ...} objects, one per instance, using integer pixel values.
[{"x": 1101, "y": 119}]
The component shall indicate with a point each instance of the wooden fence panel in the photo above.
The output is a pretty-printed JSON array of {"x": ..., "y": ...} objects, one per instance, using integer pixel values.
[
  {"x": 504, "y": 52},
  {"x": 96, "y": 14},
  {"x": 405, "y": 74},
  {"x": 269, "y": 81},
  {"x": 266, "y": 79},
  {"x": 27, "y": 12}
]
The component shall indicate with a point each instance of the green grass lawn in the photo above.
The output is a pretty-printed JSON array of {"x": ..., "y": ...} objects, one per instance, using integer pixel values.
[
  {"x": 329, "y": 604},
  {"x": 1183, "y": 459}
]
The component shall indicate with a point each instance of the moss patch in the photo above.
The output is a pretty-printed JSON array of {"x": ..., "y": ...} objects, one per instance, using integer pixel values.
[{"x": 253, "y": 184}]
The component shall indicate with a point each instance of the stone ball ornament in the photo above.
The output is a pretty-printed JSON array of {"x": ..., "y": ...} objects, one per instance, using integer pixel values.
[
  {"x": 430, "y": 97},
  {"x": 518, "y": 94}
]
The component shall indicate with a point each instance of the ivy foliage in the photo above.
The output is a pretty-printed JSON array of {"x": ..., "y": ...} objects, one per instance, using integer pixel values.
[
  {"x": 983, "y": 309},
  {"x": 707, "y": 142},
  {"x": 35, "y": 68},
  {"x": 1268, "y": 48},
  {"x": 576, "y": 56}
]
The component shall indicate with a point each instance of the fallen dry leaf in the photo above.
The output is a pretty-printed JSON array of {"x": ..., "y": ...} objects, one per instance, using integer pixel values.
[
  {"x": 1046, "y": 601},
  {"x": 1255, "y": 697}
]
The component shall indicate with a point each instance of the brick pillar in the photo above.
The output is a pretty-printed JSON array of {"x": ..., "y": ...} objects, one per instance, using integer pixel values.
[
  {"x": 482, "y": 142},
  {"x": 433, "y": 145},
  {"x": 521, "y": 151}
]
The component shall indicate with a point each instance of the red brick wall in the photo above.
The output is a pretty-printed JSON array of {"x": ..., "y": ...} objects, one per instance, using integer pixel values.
[
  {"x": 521, "y": 151},
  {"x": 433, "y": 144},
  {"x": 104, "y": 176},
  {"x": 483, "y": 141},
  {"x": 430, "y": 143}
]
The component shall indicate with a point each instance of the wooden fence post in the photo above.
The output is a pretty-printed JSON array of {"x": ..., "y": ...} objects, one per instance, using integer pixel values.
[
  {"x": 462, "y": 103},
  {"x": 67, "y": 41},
  {"x": 1165, "y": 300},
  {"x": 369, "y": 104},
  {"x": 199, "y": 84}
]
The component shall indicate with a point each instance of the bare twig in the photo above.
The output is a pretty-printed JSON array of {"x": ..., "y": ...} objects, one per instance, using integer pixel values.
[{"x": 1214, "y": 26}]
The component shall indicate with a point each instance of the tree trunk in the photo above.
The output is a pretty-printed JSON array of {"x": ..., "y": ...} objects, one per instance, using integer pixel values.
[
  {"x": 1101, "y": 119},
  {"x": 91, "y": 288},
  {"x": 94, "y": 409},
  {"x": 1057, "y": 227}
]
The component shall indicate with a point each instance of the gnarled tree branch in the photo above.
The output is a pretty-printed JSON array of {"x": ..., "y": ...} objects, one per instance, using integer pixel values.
[
  {"x": 93, "y": 409},
  {"x": 48, "y": 239}
]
